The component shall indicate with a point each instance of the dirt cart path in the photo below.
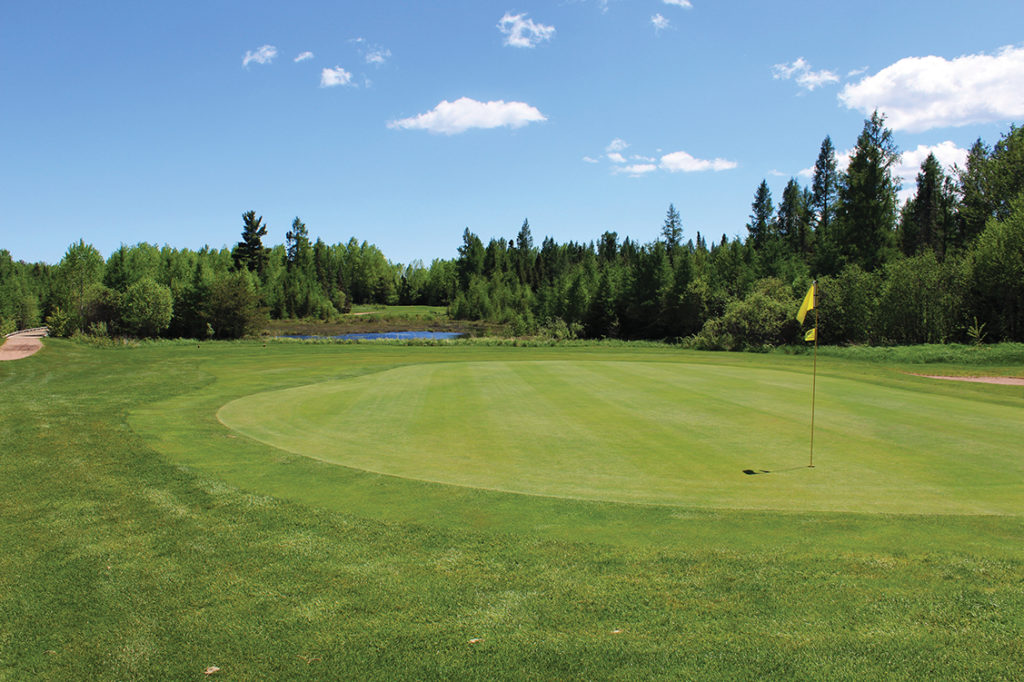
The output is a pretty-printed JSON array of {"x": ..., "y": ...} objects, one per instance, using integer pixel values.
[{"x": 22, "y": 344}]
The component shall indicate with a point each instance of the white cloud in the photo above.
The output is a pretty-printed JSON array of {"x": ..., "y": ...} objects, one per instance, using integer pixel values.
[
  {"x": 378, "y": 56},
  {"x": 637, "y": 169},
  {"x": 805, "y": 77},
  {"x": 921, "y": 93},
  {"x": 336, "y": 76},
  {"x": 685, "y": 4},
  {"x": 815, "y": 79},
  {"x": 305, "y": 56},
  {"x": 464, "y": 113},
  {"x": 616, "y": 145},
  {"x": 590, "y": 159},
  {"x": 640, "y": 164},
  {"x": 263, "y": 55},
  {"x": 659, "y": 22},
  {"x": 522, "y": 32},
  {"x": 786, "y": 71},
  {"x": 682, "y": 161}
]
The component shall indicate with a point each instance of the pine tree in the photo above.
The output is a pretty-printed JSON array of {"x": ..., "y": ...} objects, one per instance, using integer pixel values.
[
  {"x": 1006, "y": 171},
  {"x": 297, "y": 244},
  {"x": 824, "y": 187},
  {"x": 866, "y": 217},
  {"x": 793, "y": 218},
  {"x": 608, "y": 247},
  {"x": 250, "y": 254},
  {"x": 672, "y": 230},
  {"x": 928, "y": 218},
  {"x": 524, "y": 253},
  {"x": 471, "y": 259},
  {"x": 972, "y": 186},
  {"x": 761, "y": 226}
]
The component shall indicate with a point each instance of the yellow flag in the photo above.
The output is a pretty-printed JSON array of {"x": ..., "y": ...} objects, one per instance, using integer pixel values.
[
  {"x": 808, "y": 303},
  {"x": 811, "y": 335}
]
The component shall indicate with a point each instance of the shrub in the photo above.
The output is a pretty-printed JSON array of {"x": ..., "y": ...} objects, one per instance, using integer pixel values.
[
  {"x": 60, "y": 323},
  {"x": 146, "y": 308}
]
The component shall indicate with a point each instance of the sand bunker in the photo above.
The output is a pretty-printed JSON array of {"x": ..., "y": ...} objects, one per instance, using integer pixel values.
[{"x": 1006, "y": 381}]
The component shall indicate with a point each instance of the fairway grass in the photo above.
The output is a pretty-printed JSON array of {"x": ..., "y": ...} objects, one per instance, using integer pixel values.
[
  {"x": 142, "y": 538},
  {"x": 655, "y": 432}
]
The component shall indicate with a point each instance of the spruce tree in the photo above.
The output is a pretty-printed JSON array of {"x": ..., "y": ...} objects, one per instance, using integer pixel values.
[
  {"x": 975, "y": 205},
  {"x": 761, "y": 226},
  {"x": 866, "y": 217},
  {"x": 928, "y": 218},
  {"x": 524, "y": 253},
  {"x": 793, "y": 223},
  {"x": 824, "y": 187},
  {"x": 297, "y": 244},
  {"x": 672, "y": 230}
]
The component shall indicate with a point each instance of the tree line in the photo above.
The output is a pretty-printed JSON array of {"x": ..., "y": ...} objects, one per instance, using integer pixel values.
[
  {"x": 145, "y": 291},
  {"x": 947, "y": 265}
]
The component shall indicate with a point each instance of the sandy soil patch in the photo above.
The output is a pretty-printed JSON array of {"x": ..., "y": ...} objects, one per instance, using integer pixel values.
[
  {"x": 1006, "y": 381},
  {"x": 22, "y": 344}
]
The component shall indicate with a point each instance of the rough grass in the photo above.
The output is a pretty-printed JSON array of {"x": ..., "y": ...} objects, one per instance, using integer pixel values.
[{"x": 124, "y": 557}]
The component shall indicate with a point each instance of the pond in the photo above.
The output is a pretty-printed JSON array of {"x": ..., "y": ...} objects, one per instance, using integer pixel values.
[{"x": 370, "y": 336}]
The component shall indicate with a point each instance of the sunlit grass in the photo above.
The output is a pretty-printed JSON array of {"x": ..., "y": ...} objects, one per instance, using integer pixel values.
[{"x": 142, "y": 539}]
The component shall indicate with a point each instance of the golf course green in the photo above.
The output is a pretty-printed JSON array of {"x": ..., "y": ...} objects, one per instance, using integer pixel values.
[
  {"x": 487, "y": 510},
  {"x": 654, "y": 432}
]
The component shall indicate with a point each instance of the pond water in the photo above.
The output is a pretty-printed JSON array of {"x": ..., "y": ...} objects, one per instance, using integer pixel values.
[{"x": 380, "y": 335}]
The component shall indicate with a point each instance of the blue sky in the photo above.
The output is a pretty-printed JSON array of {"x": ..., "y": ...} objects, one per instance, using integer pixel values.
[{"x": 402, "y": 123}]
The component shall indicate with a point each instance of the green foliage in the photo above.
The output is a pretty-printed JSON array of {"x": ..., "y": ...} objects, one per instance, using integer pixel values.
[
  {"x": 671, "y": 231},
  {"x": 847, "y": 305},
  {"x": 232, "y": 307},
  {"x": 921, "y": 300},
  {"x": 841, "y": 230},
  {"x": 762, "y": 227},
  {"x": 761, "y": 321},
  {"x": 976, "y": 332},
  {"x": 867, "y": 208},
  {"x": 998, "y": 274},
  {"x": 825, "y": 187},
  {"x": 929, "y": 219},
  {"x": 99, "y": 329},
  {"x": 250, "y": 254},
  {"x": 81, "y": 268},
  {"x": 60, "y": 323},
  {"x": 471, "y": 259},
  {"x": 794, "y": 220},
  {"x": 146, "y": 308}
]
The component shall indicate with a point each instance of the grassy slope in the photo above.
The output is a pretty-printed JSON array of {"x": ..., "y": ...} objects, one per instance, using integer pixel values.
[{"x": 115, "y": 563}]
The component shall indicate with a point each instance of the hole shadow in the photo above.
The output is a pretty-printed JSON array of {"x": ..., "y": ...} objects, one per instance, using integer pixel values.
[{"x": 751, "y": 472}]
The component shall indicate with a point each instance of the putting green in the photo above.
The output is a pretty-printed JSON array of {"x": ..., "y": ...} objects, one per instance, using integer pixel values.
[{"x": 655, "y": 432}]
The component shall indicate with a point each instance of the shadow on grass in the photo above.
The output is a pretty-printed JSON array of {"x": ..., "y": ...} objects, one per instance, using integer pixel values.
[{"x": 751, "y": 472}]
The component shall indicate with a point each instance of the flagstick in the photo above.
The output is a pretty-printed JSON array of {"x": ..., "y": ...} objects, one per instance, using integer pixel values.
[{"x": 814, "y": 375}]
